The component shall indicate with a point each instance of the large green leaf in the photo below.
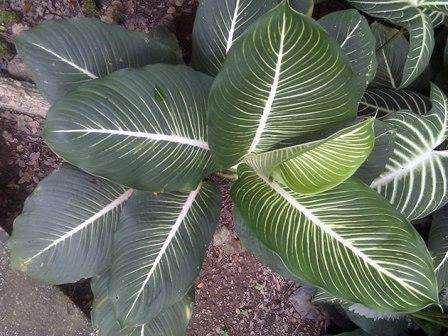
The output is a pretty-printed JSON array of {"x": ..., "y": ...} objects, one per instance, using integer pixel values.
[
  {"x": 283, "y": 78},
  {"x": 415, "y": 180},
  {"x": 66, "y": 228},
  {"x": 421, "y": 46},
  {"x": 256, "y": 247},
  {"x": 438, "y": 245},
  {"x": 382, "y": 151},
  {"x": 417, "y": 19},
  {"x": 391, "y": 52},
  {"x": 63, "y": 54},
  {"x": 143, "y": 128},
  {"x": 347, "y": 240},
  {"x": 382, "y": 100},
  {"x": 328, "y": 163},
  {"x": 400, "y": 11},
  {"x": 351, "y": 30},
  {"x": 377, "y": 324},
  {"x": 158, "y": 249},
  {"x": 218, "y": 24},
  {"x": 172, "y": 321}
]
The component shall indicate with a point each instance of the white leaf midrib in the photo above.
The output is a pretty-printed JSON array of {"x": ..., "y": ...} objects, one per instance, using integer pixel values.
[
  {"x": 102, "y": 212},
  {"x": 402, "y": 170},
  {"x": 67, "y": 61},
  {"x": 272, "y": 93},
  {"x": 316, "y": 221},
  {"x": 151, "y": 136},
  {"x": 232, "y": 29},
  {"x": 175, "y": 228}
]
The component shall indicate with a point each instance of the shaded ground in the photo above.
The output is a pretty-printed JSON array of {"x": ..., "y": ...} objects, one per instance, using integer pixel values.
[{"x": 235, "y": 294}]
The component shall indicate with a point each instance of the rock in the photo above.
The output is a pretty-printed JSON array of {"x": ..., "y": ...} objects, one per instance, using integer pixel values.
[
  {"x": 34, "y": 309},
  {"x": 301, "y": 301},
  {"x": 21, "y": 97},
  {"x": 17, "y": 28},
  {"x": 17, "y": 69}
]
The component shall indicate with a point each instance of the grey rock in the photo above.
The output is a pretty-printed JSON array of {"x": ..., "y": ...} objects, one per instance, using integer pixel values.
[
  {"x": 21, "y": 97},
  {"x": 17, "y": 69},
  {"x": 301, "y": 301},
  {"x": 29, "y": 308}
]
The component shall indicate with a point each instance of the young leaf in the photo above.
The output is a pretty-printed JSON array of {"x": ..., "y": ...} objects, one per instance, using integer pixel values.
[
  {"x": 172, "y": 321},
  {"x": 382, "y": 100},
  {"x": 415, "y": 179},
  {"x": 218, "y": 24},
  {"x": 66, "y": 228},
  {"x": 347, "y": 240},
  {"x": 143, "y": 128},
  {"x": 438, "y": 245},
  {"x": 64, "y": 54},
  {"x": 327, "y": 163},
  {"x": 391, "y": 52},
  {"x": 351, "y": 30},
  {"x": 283, "y": 78},
  {"x": 158, "y": 250}
]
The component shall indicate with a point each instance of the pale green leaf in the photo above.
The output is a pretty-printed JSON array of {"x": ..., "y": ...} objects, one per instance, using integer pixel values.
[
  {"x": 415, "y": 180},
  {"x": 64, "y": 54},
  {"x": 143, "y": 128},
  {"x": 328, "y": 163},
  {"x": 347, "y": 240},
  {"x": 284, "y": 78},
  {"x": 351, "y": 30},
  {"x": 158, "y": 249},
  {"x": 66, "y": 227}
]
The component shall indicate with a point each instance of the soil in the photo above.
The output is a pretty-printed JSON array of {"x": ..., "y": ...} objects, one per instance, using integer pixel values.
[{"x": 235, "y": 294}]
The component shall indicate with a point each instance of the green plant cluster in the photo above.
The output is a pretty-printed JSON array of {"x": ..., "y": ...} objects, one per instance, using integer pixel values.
[{"x": 335, "y": 131}]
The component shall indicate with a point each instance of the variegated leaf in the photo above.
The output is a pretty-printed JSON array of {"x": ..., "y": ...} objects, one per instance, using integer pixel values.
[
  {"x": 418, "y": 21},
  {"x": 172, "y": 321},
  {"x": 438, "y": 245},
  {"x": 382, "y": 151},
  {"x": 328, "y": 163},
  {"x": 66, "y": 227},
  {"x": 336, "y": 240},
  {"x": 415, "y": 180},
  {"x": 266, "y": 256},
  {"x": 218, "y": 24},
  {"x": 421, "y": 46},
  {"x": 391, "y": 52},
  {"x": 351, "y": 30},
  {"x": 143, "y": 128},
  {"x": 381, "y": 100},
  {"x": 159, "y": 248},
  {"x": 401, "y": 12},
  {"x": 64, "y": 54},
  {"x": 283, "y": 78}
]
